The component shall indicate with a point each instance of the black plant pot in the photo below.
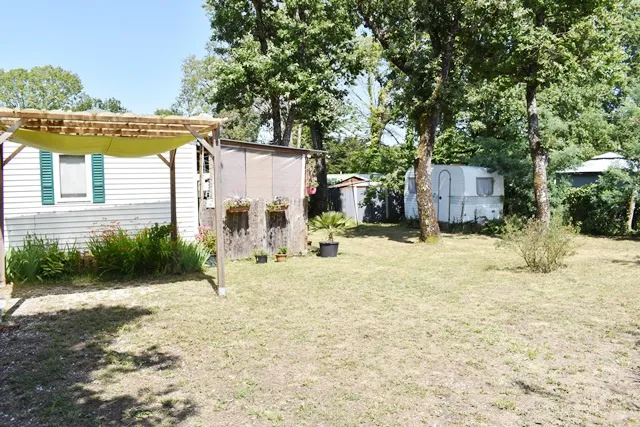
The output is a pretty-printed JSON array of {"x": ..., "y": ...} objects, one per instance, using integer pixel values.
[
  {"x": 261, "y": 259},
  {"x": 328, "y": 250},
  {"x": 211, "y": 261}
]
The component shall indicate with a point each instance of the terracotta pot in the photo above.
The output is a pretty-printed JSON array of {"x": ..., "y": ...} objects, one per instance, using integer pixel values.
[{"x": 281, "y": 257}]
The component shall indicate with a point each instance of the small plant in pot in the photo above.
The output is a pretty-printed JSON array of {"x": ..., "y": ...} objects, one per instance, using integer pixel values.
[
  {"x": 237, "y": 204},
  {"x": 207, "y": 238},
  {"x": 312, "y": 187},
  {"x": 281, "y": 255},
  {"x": 331, "y": 223},
  {"x": 279, "y": 204},
  {"x": 260, "y": 255}
]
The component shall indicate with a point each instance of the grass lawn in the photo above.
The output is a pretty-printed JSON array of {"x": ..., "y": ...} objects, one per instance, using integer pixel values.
[{"x": 389, "y": 333}]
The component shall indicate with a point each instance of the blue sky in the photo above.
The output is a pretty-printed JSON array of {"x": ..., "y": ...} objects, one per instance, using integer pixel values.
[{"x": 131, "y": 50}]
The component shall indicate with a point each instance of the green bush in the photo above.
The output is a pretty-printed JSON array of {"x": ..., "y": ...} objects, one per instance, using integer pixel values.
[
  {"x": 191, "y": 257},
  {"x": 41, "y": 259},
  {"x": 601, "y": 208},
  {"x": 120, "y": 255},
  {"x": 542, "y": 249}
]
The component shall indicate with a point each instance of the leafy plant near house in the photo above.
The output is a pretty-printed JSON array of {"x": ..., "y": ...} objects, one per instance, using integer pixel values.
[
  {"x": 41, "y": 259},
  {"x": 283, "y": 251},
  {"x": 237, "y": 202},
  {"x": 260, "y": 255},
  {"x": 207, "y": 237},
  {"x": 277, "y": 205},
  {"x": 121, "y": 255},
  {"x": 543, "y": 248}
]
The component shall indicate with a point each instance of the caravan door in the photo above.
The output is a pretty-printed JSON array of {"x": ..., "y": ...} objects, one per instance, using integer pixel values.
[{"x": 444, "y": 195}]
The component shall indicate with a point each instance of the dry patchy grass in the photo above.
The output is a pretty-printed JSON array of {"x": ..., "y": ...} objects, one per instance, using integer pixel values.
[{"x": 389, "y": 333}]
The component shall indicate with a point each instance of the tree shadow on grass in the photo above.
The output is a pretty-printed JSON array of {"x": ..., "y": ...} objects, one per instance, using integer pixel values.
[
  {"x": 48, "y": 370},
  {"x": 394, "y": 232},
  {"x": 635, "y": 261},
  {"x": 24, "y": 291}
]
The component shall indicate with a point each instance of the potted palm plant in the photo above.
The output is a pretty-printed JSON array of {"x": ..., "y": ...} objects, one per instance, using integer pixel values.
[
  {"x": 281, "y": 255},
  {"x": 331, "y": 223}
]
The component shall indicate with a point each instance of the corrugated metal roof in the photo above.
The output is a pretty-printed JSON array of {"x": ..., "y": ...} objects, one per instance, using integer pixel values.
[{"x": 600, "y": 164}]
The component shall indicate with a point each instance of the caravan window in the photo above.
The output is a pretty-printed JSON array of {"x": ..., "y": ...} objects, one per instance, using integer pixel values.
[
  {"x": 73, "y": 176},
  {"x": 484, "y": 187},
  {"x": 411, "y": 184}
]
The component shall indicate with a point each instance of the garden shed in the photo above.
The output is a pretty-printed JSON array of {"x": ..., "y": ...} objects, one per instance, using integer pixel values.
[
  {"x": 349, "y": 193},
  {"x": 272, "y": 180},
  {"x": 589, "y": 171},
  {"x": 460, "y": 194}
]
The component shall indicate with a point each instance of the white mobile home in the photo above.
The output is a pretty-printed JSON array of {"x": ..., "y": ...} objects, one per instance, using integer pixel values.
[
  {"x": 460, "y": 193},
  {"x": 66, "y": 196}
]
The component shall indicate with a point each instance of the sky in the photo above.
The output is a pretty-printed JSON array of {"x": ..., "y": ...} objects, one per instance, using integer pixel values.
[{"x": 131, "y": 50}]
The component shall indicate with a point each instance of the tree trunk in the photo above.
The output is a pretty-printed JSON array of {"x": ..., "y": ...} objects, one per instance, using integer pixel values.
[
  {"x": 288, "y": 126},
  {"x": 276, "y": 117},
  {"x": 540, "y": 158},
  {"x": 318, "y": 201},
  {"x": 631, "y": 210},
  {"x": 429, "y": 228}
]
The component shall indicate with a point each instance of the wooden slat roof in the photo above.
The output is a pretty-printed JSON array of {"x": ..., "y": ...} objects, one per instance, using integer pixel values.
[{"x": 106, "y": 123}]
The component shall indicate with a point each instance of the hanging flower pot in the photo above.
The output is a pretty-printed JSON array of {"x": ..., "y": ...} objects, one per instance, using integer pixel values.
[{"x": 311, "y": 190}]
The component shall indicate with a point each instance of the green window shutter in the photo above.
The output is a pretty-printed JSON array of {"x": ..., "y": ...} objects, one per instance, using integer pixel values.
[
  {"x": 46, "y": 178},
  {"x": 97, "y": 175}
]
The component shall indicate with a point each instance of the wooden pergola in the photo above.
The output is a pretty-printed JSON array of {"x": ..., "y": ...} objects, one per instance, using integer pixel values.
[{"x": 149, "y": 132}]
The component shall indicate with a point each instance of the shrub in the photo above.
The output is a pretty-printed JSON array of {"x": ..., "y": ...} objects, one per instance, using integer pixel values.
[
  {"x": 190, "y": 257},
  {"x": 207, "y": 238},
  {"x": 543, "y": 249},
  {"x": 41, "y": 259}
]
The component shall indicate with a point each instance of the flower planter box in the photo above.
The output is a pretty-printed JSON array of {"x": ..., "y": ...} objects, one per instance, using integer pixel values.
[
  {"x": 278, "y": 209},
  {"x": 238, "y": 209}
]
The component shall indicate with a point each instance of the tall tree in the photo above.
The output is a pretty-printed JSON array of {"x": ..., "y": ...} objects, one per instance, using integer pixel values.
[
  {"x": 421, "y": 40},
  {"x": 87, "y": 103},
  {"x": 542, "y": 43},
  {"x": 279, "y": 56},
  {"x": 44, "y": 88}
]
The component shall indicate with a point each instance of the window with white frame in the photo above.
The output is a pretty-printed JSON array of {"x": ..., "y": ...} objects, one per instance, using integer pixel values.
[
  {"x": 484, "y": 187},
  {"x": 411, "y": 184},
  {"x": 73, "y": 178}
]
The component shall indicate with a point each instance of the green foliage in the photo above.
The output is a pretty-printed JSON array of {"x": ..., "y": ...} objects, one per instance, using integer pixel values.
[
  {"x": 207, "y": 238},
  {"x": 543, "y": 249},
  {"x": 258, "y": 252},
  {"x": 121, "y": 255},
  {"x": 601, "y": 208},
  {"x": 331, "y": 223},
  {"x": 286, "y": 59},
  {"x": 190, "y": 257},
  {"x": 283, "y": 250},
  {"x": 46, "y": 88},
  {"x": 40, "y": 259}
]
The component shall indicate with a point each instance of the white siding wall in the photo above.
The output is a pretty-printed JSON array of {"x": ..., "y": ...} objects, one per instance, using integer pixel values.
[{"x": 136, "y": 195}]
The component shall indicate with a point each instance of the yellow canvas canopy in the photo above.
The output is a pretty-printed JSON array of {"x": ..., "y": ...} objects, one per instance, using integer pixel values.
[{"x": 117, "y": 146}]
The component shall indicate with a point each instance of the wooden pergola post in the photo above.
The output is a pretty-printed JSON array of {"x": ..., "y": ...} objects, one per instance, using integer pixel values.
[
  {"x": 215, "y": 151},
  {"x": 3, "y": 137},
  {"x": 172, "y": 185}
]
